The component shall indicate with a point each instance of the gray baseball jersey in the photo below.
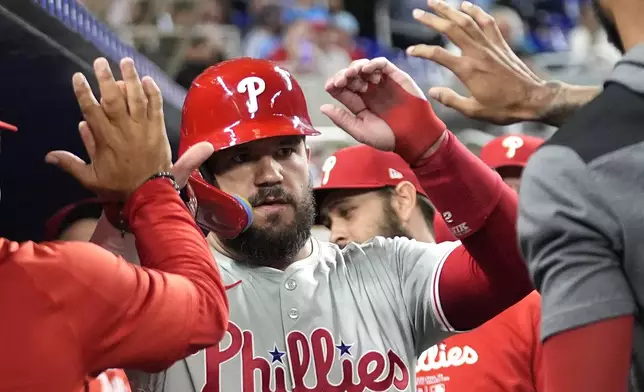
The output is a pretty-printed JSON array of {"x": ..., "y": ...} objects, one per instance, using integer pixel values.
[
  {"x": 348, "y": 320},
  {"x": 354, "y": 319},
  {"x": 581, "y": 220}
]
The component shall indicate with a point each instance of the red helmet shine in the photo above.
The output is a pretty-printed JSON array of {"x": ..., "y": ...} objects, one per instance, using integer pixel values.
[{"x": 235, "y": 102}]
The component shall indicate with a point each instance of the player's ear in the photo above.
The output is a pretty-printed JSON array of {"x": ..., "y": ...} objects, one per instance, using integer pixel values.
[{"x": 404, "y": 200}]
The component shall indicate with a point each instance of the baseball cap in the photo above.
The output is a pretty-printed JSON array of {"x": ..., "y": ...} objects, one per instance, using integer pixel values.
[
  {"x": 364, "y": 167},
  {"x": 510, "y": 150}
]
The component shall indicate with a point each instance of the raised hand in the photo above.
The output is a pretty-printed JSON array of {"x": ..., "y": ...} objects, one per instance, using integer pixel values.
[
  {"x": 124, "y": 134},
  {"x": 385, "y": 108},
  {"x": 503, "y": 89}
]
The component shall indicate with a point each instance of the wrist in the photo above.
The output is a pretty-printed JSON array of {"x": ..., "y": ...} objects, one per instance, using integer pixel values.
[
  {"x": 434, "y": 146},
  {"x": 116, "y": 212},
  {"x": 555, "y": 101}
]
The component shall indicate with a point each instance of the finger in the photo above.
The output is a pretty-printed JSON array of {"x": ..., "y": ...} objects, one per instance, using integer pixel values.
[
  {"x": 353, "y": 70},
  {"x": 374, "y": 77},
  {"x": 376, "y": 65},
  {"x": 345, "y": 120},
  {"x": 449, "y": 98},
  {"x": 440, "y": 56},
  {"x": 340, "y": 79},
  {"x": 462, "y": 20},
  {"x": 358, "y": 84},
  {"x": 444, "y": 26},
  {"x": 155, "y": 100},
  {"x": 491, "y": 30},
  {"x": 486, "y": 23},
  {"x": 355, "y": 82},
  {"x": 72, "y": 165},
  {"x": 88, "y": 139},
  {"x": 112, "y": 101},
  {"x": 137, "y": 101},
  {"x": 122, "y": 88},
  {"x": 350, "y": 99},
  {"x": 190, "y": 161},
  {"x": 88, "y": 104}
]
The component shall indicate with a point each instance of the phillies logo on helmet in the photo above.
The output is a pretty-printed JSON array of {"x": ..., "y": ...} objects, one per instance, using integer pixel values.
[
  {"x": 313, "y": 355},
  {"x": 254, "y": 87},
  {"x": 512, "y": 143}
]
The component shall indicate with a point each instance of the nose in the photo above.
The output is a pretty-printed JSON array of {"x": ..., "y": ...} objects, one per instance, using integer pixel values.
[
  {"x": 338, "y": 235},
  {"x": 268, "y": 172}
]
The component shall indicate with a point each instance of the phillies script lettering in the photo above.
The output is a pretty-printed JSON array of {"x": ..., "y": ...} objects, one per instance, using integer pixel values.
[
  {"x": 438, "y": 357},
  {"x": 305, "y": 355}
]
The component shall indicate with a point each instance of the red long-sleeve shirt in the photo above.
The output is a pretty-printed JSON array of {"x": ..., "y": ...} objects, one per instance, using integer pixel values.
[
  {"x": 486, "y": 274},
  {"x": 71, "y": 309}
]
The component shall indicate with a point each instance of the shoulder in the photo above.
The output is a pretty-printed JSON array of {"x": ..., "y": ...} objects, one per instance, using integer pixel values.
[
  {"x": 608, "y": 123},
  {"x": 397, "y": 248}
]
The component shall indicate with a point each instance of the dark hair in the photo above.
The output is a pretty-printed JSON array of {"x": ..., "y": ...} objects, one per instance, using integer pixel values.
[{"x": 426, "y": 207}]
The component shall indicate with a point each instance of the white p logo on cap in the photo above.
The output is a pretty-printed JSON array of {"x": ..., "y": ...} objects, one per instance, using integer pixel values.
[
  {"x": 512, "y": 143},
  {"x": 254, "y": 87},
  {"x": 328, "y": 165}
]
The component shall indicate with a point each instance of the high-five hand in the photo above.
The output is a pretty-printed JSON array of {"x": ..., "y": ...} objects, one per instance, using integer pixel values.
[
  {"x": 386, "y": 109},
  {"x": 124, "y": 134},
  {"x": 504, "y": 90}
]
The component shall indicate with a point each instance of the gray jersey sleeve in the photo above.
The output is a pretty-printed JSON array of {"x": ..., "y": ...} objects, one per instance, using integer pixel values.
[
  {"x": 570, "y": 238},
  {"x": 418, "y": 266}
]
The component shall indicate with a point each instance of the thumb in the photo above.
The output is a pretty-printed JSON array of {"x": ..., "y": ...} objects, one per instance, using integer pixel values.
[
  {"x": 451, "y": 99},
  {"x": 345, "y": 120},
  {"x": 74, "y": 166},
  {"x": 190, "y": 161}
]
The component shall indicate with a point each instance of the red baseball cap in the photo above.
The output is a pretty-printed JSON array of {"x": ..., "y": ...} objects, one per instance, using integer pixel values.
[
  {"x": 8, "y": 127},
  {"x": 510, "y": 150},
  {"x": 364, "y": 167}
]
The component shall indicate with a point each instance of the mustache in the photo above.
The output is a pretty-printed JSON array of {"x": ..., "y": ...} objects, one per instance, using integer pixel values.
[{"x": 271, "y": 195}]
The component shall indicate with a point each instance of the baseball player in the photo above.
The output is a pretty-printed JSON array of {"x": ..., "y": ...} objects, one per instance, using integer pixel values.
[
  {"x": 305, "y": 314},
  {"x": 71, "y": 310},
  {"x": 367, "y": 192}
]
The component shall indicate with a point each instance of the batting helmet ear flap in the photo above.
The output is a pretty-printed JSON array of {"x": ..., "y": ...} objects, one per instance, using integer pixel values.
[{"x": 215, "y": 210}]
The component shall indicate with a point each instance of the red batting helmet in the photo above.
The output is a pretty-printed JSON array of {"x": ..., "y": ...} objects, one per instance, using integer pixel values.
[{"x": 232, "y": 103}]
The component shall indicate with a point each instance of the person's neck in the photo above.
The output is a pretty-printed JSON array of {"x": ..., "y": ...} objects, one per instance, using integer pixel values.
[
  {"x": 420, "y": 230},
  {"x": 302, "y": 254},
  {"x": 424, "y": 236},
  {"x": 629, "y": 24}
]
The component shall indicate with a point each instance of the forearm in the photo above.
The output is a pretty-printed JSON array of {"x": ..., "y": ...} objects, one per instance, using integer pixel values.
[
  {"x": 479, "y": 209},
  {"x": 572, "y": 358},
  {"x": 558, "y": 101}
]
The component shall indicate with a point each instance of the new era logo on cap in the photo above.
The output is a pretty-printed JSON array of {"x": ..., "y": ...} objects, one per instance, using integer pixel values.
[{"x": 395, "y": 174}]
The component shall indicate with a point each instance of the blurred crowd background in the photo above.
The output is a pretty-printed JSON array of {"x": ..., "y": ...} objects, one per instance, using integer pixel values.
[
  {"x": 558, "y": 39},
  {"x": 315, "y": 38}
]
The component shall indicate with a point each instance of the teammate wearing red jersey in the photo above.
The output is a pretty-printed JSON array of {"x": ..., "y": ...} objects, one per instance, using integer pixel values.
[{"x": 70, "y": 310}]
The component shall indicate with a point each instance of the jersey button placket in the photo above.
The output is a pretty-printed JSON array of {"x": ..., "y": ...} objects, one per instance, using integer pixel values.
[{"x": 290, "y": 284}]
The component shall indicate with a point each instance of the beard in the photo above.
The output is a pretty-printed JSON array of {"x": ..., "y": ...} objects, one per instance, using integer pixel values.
[
  {"x": 609, "y": 26},
  {"x": 391, "y": 226},
  {"x": 278, "y": 243}
]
